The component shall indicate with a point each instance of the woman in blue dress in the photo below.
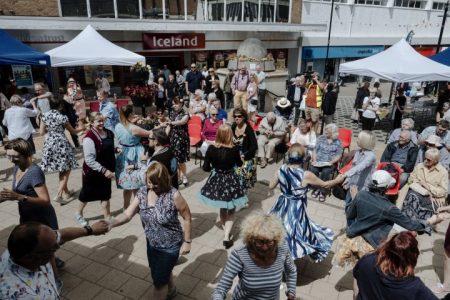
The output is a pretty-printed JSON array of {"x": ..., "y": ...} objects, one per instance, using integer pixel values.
[
  {"x": 303, "y": 236},
  {"x": 129, "y": 137}
]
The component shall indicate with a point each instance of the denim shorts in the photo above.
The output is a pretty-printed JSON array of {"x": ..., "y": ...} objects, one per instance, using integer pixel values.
[{"x": 161, "y": 262}]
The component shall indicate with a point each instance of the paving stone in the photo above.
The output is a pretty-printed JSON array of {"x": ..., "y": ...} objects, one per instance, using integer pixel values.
[
  {"x": 113, "y": 280},
  {"x": 94, "y": 272},
  {"x": 108, "y": 295},
  {"x": 85, "y": 290},
  {"x": 134, "y": 288}
]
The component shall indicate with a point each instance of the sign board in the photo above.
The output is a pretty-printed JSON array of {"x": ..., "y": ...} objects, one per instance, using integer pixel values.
[
  {"x": 90, "y": 73},
  {"x": 22, "y": 75},
  {"x": 164, "y": 41}
]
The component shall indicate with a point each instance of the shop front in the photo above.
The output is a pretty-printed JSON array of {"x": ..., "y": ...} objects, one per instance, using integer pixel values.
[{"x": 313, "y": 58}]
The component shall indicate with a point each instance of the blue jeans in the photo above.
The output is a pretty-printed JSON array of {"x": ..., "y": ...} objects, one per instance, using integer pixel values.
[
  {"x": 161, "y": 262},
  {"x": 348, "y": 200}
]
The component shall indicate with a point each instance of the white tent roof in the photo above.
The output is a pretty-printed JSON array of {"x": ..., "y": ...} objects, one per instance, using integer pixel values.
[
  {"x": 90, "y": 48},
  {"x": 399, "y": 63}
]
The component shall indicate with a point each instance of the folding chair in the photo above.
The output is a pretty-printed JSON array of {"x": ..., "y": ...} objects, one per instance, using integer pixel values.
[
  {"x": 94, "y": 106},
  {"x": 195, "y": 137},
  {"x": 345, "y": 136}
]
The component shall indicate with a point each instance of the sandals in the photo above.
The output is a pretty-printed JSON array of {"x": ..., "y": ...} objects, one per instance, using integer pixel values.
[
  {"x": 315, "y": 193},
  {"x": 321, "y": 197}
]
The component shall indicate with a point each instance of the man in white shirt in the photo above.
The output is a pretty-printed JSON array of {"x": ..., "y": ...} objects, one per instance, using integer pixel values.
[{"x": 261, "y": 88}]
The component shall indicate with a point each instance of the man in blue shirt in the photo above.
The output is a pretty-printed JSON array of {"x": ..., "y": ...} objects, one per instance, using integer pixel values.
[
  {"x": 221, "y": 113},
  {"x": 108, "y": 110}
]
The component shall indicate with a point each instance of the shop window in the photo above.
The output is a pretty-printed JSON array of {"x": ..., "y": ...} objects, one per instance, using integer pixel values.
[
  {"x": 215, "y": 10},
  {"x": 72, "y": 8},
  {"x": 251, "y": 11},
  {"x": 282, "y": 11},
  {"x": 369, "y": 2},
  {"x": 176, "y": 9},
  {"x": 234, "y": 11},
  {"x": 409, "y": 3},
  {"x": 438, "y": 6},
  {"x": 102, "y": 8},
  {"x": 128, "y": 9}
]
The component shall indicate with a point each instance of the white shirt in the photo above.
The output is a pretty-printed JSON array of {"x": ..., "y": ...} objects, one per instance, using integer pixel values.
[
  {"x": 307, "y": 140},
  {"x": 372, "y": 103},
  {"x": 17, "y": 119},
  {"x": 261, "y": 80}
]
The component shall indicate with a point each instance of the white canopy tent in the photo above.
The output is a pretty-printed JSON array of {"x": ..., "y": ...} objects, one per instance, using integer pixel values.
[
  {"x": 91, "y": 48},
  {"x": 399, "y": 63}
]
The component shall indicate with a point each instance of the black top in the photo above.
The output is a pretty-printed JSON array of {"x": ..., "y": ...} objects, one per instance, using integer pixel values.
[
  {"x": 374, "y": 284},
  {"x": 360, "y": 95},
  {"x": 247, "y": 143},
  {"x": 166, "y": 157},
  {"x": 222, "y": 158},
  {"x": 172, "y": 88},
  {"x": 401, "y": 101},
  {"x": 219, "y": 95},
  {"x": 208, "y": 83},
  {"x": 329, "y": 103},
  {"x": 194, "y": 80}
]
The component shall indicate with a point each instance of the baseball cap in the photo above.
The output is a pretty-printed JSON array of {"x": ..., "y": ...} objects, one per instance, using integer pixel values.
[{"x": 382, "y": 178}]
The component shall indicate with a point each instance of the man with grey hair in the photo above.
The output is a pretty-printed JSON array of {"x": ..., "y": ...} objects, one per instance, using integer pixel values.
[
  {"x": 407, "y": 124},
  {"x": 261, "y": 88},
  {"x": 403, "y": 153},
  {"x": 295, "y": 95},
  {"x": 272, "y": 131}
]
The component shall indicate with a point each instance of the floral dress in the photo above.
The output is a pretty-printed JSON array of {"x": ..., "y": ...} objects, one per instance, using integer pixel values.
[
  {"x": 130, "y": 156},
  {"x": 57, "y": 153},
  {"x": 179, "y": 137}
]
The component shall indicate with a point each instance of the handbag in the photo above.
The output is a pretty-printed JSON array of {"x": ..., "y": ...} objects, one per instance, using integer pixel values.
[
  {"x": 416, "y": 187},
  {"x": 355, "y": 115}
]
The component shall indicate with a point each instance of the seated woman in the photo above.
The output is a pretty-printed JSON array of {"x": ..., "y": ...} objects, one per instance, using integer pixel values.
[
  {"x": 444, "y": 113},
  {"x": 304, "y": 136},
  {"x": 326, "y": 155},
  {"x": 260, "y": 263},
  {"x": 428, "y": 187},
  {"x": 388, "y": 273},
  {"x": 209, "y": 130},
  {"x": 407, "y": 124},
  {"x": 198, "y": 106}
]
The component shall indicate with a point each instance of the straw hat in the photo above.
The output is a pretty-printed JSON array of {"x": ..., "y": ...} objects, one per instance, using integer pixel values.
[
  {"x": 283, "y": 102},
  {"x": 434, "y": 140}
]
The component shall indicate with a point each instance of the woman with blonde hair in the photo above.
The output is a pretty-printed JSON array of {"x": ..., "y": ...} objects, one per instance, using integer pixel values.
[
  {"x": 252, "y": 97},
  {"x": 129, "y": 137},
  {"x": 303, "y": 236},
  {"x": 260, "y": 263},
  {"x": 223, "y": 188}
]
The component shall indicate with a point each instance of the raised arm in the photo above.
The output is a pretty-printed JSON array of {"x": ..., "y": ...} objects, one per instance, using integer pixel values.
[
  {"x": 127, "y": 215},
  {"x": 185, "y": 212}
]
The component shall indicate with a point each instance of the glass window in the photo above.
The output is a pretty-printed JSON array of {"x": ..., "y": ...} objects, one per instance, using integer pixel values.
[
  {"x": 215, "y": 10},
  {"x": 251, "y": 11},
  {"x": 128, "y": 8},
  {"x": 267, "y": 10},
  {"x": 409, "y": 3},
  {"x": 369, "y": 2},
  {"x": 72, "y": 8},
  {"x": 153, "y": 9},
  {"x": 234, "y": 10},
  {"x": 102, "y": 8},
  {"x": 283, "y": 11},
  {"x": 175, "y": 8},
  {"x": 438, "y": 5}
]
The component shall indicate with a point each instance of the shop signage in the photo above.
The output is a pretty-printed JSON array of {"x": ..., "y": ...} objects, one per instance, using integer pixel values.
[
  {"x": 159, "y": 41},
  {"x": 22, "y": 75}
]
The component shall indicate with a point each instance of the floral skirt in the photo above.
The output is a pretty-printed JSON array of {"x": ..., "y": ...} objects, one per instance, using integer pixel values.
[
  {"x": 247, "y": 174},
  {"x": 223, "y": 189},
  {"x": 350, "y": 250},
  {"x": 418, "y": 206}
]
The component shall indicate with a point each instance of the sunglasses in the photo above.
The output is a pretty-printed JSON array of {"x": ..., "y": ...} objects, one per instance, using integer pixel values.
[
  {"x": 237, "y": 116},
  {"x": 213, "y": 114}
]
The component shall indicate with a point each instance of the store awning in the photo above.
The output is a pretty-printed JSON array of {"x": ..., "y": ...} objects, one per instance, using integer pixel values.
[
  {"x": 340, "y": 52},
  {"x": 399, "y": 63},
  {"x": 91, "y": 48},
  {"x": 442, "y": 57},
  {"x": 14, "y": 52}
]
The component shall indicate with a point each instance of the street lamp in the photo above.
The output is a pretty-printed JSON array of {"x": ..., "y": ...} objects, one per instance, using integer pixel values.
[
  {"x": 444, "y": 18},
  {"x": 329, "y": 37}
]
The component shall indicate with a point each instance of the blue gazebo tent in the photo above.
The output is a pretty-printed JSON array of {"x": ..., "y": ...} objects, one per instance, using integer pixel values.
[
  {"x": 442, "y": 57},
  {"x": 14, "y": 52}
]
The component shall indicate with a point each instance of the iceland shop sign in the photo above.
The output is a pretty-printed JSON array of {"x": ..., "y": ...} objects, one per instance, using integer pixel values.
[{"x": 163, "y": 41}]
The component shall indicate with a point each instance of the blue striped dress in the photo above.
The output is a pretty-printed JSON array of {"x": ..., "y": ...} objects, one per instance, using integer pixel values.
[
  {"x": 303, "y": 236},
  {"x": 256, "y": 283}
]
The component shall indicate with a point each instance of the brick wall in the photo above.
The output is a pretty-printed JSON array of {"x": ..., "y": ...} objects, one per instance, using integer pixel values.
[{"x": 43, "y": 8}]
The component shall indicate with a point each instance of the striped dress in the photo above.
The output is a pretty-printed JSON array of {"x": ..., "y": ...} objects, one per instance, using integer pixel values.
[
  {"x": 303, "y": 236},
  {"x": 256, "y": 283}
]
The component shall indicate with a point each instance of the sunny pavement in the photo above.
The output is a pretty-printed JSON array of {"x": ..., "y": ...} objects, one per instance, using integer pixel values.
[{"x": 114, "y": 266}]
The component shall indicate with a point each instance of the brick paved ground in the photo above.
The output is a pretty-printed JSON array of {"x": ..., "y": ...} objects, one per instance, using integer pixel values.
[{"x": 114, "y": 266}]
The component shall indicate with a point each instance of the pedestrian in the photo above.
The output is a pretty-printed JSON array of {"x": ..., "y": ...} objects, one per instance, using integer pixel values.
[
  {"x": 329, "y": 104},
  {"x": 261, "y": 77}
]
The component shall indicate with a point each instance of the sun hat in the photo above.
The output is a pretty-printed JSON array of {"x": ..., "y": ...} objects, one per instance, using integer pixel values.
[
  {"x": 434, "y": 140},
  {"x": 283, "y": 102}
]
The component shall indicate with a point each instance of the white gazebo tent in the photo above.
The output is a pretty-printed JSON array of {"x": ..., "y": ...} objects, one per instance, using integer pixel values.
[
  {"x": 399, "y": 63},
  {"x": 91, "y": 48}
]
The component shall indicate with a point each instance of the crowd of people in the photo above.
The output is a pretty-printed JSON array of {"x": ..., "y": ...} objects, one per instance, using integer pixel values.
[{"x": 149, "y": 165}]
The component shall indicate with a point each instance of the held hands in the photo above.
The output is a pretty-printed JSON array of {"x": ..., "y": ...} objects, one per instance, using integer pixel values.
[
  {"x": 100, "y": 227},
  {"x": 353, "y": 191},
  {"x": 108, "y": 174}
]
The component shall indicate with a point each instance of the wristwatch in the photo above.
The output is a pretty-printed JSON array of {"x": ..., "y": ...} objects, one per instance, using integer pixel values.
[
  {"x": 24, "y": 199},
  {"x": 88, "y": 229}
]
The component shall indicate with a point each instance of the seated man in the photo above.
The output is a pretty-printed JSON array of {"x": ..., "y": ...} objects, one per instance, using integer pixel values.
[
  {"x": 407, "y": 124},
  {"x": 221, "y": 113},
  {"x": 441, "y": 130},
  {"x": 433, "y": 141},
  {"x": 285, "y": 110},
  {"x": 403, "y": 153},
  {"x": 25, "y": 266},
  {"x": 272, "y": 130}
]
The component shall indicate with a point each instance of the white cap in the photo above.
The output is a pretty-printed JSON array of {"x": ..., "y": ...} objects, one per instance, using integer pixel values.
[{"x": 382, "y": 178}]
